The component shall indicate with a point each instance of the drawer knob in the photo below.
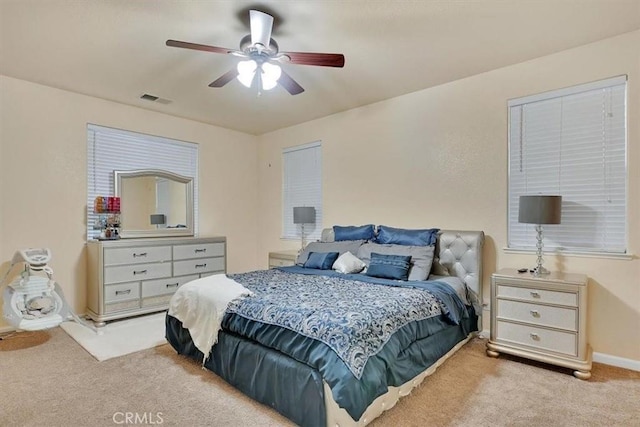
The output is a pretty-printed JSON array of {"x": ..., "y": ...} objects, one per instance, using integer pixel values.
[
  {"x": 128, "y": 291},
  {"x": 136, "y": 272},
  {"x": 172, "y": 285},
  {"x": 201, "y": 250},
  {"x": 535, "y": 294},
  {"x": 201, "y": 265},
  {"x": 535, "y": 313},
  {"x": 534, "y": 336},
  {"x": 135, "y": 255}
]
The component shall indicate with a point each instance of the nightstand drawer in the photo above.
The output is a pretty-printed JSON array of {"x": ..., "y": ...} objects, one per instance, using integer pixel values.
[
  {"x": 543, "y": 315},
  {"x": 539, "y": 338},
  {"x": 278, "y": 262},
  {"x": 537, "y": 295}
]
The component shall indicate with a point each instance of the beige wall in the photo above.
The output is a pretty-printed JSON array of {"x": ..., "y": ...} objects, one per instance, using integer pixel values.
[
  {"x": 438, "y": 158},
  {"x": 43, "y": 186}
]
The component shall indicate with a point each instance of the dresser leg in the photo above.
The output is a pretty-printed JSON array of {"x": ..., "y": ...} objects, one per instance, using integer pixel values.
[
  {"x": 99, "y": 324},
  {"x": 582, "y": 375}
]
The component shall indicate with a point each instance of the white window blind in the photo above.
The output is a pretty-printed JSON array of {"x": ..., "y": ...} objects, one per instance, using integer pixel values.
[
  {"x": 302, "y": 186},
  {"x": 111, "y": 149},
  {"x": 571, "y": 142}
]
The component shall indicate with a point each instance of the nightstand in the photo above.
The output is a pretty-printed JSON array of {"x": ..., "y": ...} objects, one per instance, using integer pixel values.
[
  {"x": 542, "y": 318},
  {"x": 282, "y": 258}
]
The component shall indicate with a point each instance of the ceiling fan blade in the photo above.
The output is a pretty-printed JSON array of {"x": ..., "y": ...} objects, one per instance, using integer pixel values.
[
  {"x": 225, "y": 78},
  {"x": 196, "y": 46},
  {"x": 289, "y": 84},
  {"x": 261, "y": 25},
  {"x": 320, "y": 59}
]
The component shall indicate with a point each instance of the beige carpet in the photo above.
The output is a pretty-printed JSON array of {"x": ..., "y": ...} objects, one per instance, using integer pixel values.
[{"x": 46, "y": 378}]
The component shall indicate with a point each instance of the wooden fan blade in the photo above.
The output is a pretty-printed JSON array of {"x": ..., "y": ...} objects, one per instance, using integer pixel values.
[
  {"x": 225, "y": 78},
  {"x": 321, "y": 59},
  {"x": 289, "y": 84},
  {"x": 196, "y": 46}
]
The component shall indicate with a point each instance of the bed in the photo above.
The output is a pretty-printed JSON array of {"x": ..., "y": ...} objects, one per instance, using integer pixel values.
[{"x": 349, "y": 345}]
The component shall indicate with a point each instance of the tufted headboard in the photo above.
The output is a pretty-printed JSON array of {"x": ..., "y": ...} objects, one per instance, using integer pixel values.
[{"x": 458, "y": 253}]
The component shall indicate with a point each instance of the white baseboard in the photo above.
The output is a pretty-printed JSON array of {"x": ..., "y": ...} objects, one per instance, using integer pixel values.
[
  {"x": 619, "y": 362},
  {"x": 605, "y": 359}
]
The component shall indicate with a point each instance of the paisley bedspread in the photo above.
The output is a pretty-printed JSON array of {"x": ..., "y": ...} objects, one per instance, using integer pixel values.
[{"x": 354, "y": 318}]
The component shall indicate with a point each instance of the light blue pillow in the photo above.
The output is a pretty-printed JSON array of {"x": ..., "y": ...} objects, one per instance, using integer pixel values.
[
  {"x": 389, "y": 266},
  {"x": 352, "y": 232},
  {"x": 403, "y": 236},
  {"x": 321, "y": 260}
]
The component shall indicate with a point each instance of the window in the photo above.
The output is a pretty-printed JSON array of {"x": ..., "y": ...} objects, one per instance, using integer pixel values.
[
  {"x": 571, "y": 142},
  {"x": 111, "y": 149},
  {"x": 302, "y": 186}
]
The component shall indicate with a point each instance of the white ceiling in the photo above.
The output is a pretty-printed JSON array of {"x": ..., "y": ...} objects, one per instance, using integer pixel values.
[{"x": 115, "y": 49}]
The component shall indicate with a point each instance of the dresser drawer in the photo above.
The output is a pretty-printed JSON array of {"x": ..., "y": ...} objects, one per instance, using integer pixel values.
[
  {"x": 540, "y": 338},
  {"x": 537, "y": 295},
  {"x": 119, "y": 256},
  {"x": 197, "y": 266},
  {"x": 544, "y": 315},
  {"x": 151, "y": 288},
  {"x": 121, "y": 292},
  {"x": 205, "y": 250},
  {"x": 128, "y": 273}
]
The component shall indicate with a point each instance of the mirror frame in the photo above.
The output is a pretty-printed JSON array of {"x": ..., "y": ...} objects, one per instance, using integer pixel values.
[{"x": 125, "y": 233}]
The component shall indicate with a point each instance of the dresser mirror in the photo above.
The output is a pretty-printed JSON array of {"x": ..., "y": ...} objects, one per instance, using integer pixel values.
[{"x": 154, "y": 203}]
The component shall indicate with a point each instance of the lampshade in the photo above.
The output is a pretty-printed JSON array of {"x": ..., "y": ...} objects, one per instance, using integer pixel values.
[
  {"x": 157, "y": 219},
  {"x": 540, "y": 209},
  {"x": 304, "y": 215}
]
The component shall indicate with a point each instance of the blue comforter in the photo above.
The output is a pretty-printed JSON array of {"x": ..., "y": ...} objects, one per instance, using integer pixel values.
[{"x": 358, "y": 332}]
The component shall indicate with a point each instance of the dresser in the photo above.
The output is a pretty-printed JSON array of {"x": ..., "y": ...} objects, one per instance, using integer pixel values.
[
  {"x": 541, "y": 318},
  {"x": 282, "y": 258},
  {"x": 129, "y": 277}
]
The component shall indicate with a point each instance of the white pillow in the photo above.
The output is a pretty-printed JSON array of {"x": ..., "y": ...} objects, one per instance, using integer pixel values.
[{"x": 348, "y": 263}]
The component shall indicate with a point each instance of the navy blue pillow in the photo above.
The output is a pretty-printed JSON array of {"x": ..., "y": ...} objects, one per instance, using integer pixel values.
[
  {"x": 352, "y": 232},
  {"x": 389, "y": 266},
  {"x": 403, "y": 236},
  {"x": 321, "y": 260}
]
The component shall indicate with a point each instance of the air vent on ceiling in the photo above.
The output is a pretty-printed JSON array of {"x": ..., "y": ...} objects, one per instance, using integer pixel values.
[{"x": 153, "y": 98}]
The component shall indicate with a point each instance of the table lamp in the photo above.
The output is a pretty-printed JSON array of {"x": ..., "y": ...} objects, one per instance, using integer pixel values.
[
  {"x": 540, "y": 210},
  {"x": 304, "y": 215}
]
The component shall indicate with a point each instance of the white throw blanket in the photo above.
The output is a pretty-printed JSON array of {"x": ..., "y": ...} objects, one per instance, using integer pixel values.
[{"x": 200, "y": 306}]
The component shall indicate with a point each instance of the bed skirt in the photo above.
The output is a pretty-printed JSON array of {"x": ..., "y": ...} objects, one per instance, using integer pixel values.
[{"x": 292, "y": 388}]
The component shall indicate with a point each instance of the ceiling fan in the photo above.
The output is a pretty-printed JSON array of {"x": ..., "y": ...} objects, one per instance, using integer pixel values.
[{"x": 261, "y": 57}]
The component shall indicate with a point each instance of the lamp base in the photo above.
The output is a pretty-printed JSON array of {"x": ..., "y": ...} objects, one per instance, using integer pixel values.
[{"x": 540, "y": 271}]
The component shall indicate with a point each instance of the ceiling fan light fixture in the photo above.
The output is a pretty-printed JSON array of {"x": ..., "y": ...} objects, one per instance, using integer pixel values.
[
  {"x": 246, "y": 72},
  {"x": 270, "y": 75}
]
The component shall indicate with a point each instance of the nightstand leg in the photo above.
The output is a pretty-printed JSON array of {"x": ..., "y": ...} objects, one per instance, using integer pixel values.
[
  {"x": 492, "y": 353},
  {"x": 582, "y": 375}
]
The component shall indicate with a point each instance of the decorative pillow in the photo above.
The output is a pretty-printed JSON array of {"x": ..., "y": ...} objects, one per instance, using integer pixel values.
[
  {"x": 403, "y": 236},
  {"x": 421, "y": 257},
  {"x": 340, "y": 247},
  {"x": 321, "y": 260},
  {"x": 348, "y": 263},
  {"x": 362, "y": 232},
  {"x": 389, "y": 266}
]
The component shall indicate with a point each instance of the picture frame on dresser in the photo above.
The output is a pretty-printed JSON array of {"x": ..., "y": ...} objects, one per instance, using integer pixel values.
[
  {"x": 130, "y": 277},
  {"x": 542, "y": 318}
]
